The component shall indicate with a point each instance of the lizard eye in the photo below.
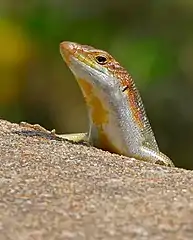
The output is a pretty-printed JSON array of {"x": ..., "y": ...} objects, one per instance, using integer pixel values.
[{"x": 101, "y": 60}]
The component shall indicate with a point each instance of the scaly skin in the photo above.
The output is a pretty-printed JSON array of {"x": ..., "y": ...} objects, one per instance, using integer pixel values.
[{"x": 118, "y": 122}]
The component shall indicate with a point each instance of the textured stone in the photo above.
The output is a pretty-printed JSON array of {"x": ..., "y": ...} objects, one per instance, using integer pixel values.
[{"x": 52, "y": 189}]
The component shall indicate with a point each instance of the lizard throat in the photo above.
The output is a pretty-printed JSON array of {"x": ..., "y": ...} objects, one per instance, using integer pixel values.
[
  {"x": 99, "y": 118},
  {"x": 99, "y": 114}
]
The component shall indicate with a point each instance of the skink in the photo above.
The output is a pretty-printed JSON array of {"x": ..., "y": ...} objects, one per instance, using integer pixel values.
[{"x": 117, "y": 119}]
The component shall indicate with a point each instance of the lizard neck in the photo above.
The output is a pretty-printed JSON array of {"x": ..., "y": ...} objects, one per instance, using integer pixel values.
[{"x": 104, "y": 131}]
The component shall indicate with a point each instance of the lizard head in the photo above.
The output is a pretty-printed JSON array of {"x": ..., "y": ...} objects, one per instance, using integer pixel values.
[{"x": 95, "y": 66}]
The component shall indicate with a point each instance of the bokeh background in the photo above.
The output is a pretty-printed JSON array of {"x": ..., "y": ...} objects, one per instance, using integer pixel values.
[{"x": 153, "y": 39}]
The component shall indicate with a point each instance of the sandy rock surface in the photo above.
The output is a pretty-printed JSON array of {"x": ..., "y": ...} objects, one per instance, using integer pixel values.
[{"x": 53, "y": 189}]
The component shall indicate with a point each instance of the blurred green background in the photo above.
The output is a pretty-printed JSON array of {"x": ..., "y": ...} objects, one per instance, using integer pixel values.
[{"x": 153, "y": 39}]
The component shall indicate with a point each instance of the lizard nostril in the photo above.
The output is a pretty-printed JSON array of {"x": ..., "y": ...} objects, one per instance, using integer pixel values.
[{"x": 67, "y": 46}]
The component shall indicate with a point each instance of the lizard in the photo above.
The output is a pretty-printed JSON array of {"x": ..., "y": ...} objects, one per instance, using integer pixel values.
[{"x": 117, "y": 119}]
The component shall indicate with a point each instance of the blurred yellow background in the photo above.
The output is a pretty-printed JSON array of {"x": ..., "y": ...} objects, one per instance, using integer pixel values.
[{"x": 153, "y": 40}]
